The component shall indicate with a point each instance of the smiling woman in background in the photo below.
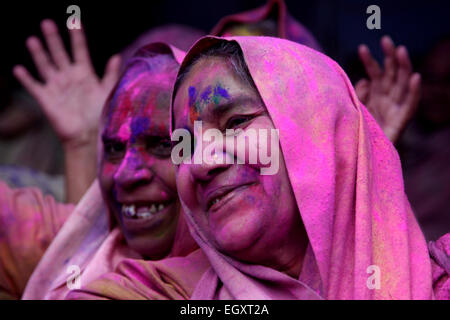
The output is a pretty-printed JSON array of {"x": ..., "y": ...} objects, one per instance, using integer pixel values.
[{"x": 139, "y": 216}]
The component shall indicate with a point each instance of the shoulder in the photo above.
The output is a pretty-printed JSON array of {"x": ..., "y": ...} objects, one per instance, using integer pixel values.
[{"x": 440, "y": 264}]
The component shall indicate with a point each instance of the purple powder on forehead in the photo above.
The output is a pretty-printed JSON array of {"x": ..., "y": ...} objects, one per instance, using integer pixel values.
[
  {"x": 138, "y": 126},
  {"x": 192, "y": 96},
  {"x": 219, "y": 91},
  {"x": 206, "y": 93}
]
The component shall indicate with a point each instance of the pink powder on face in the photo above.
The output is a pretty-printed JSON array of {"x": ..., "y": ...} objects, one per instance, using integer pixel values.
[{"x": 125, "y": 130}]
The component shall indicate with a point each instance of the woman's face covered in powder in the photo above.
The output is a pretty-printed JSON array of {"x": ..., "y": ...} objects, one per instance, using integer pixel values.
[
  {"x": 136, "y": 174},
  {"x": 247, "y": 215}
]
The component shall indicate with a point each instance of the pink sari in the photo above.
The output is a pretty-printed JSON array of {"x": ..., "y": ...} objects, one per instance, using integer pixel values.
[
  {"x": 91, "y": 241},
  {"x": 347, "y": 181},
  {"x": 29, "y": 221}
]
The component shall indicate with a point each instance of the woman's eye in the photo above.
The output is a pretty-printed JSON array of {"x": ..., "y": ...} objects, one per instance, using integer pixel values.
[
  {"x": 114, "y": 149},
  {"x": 160, "y": 147},
  {"x": 237, "y": 121}
]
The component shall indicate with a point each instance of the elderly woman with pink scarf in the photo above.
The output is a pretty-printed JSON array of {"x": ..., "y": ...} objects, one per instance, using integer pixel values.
[{"x": 332, "y": 223}]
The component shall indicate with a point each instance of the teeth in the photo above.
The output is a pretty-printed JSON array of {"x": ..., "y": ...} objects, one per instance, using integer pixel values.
[
  {"x": 131, "y": 211},
  {"x": 144, "y": 214}
]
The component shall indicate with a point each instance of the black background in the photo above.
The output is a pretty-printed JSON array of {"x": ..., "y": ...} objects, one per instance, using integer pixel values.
[{"x": 339, "y": 25}]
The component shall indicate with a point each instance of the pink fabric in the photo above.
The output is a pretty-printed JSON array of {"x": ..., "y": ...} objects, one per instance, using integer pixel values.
[
  {"x": 347, "y": 181},
  {"x": 133, "y": 279},
  {"x": 179, "y": 36},
  {"x": 28, "y": 223},
  {"x": 91, "y": 240},
  {"x": 287, "y": 26},
  {"x": 440, "y": 254}
]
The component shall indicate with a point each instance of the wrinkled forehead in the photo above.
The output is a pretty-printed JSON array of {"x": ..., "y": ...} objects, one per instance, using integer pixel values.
[
  {"x": 142, "y": 96},
  {"x": 210, "y": 80}
]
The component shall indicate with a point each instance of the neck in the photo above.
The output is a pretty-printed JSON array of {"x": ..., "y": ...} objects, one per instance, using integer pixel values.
[{"x": 291, "y": 255}]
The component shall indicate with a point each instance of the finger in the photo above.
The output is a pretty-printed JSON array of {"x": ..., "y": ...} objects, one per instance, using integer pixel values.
[
  {"x": 55, "y": 43},
  {"x": 362, "y": 90},
  {"x": 407, "y": 109},
  {"x": 403, "y": 58},
  {"x": 40, "y": 58},
  {"x": 390, "y": 64},
  {"x": 370, "y": 64},
  {"x": 403, "y": 74},
  {"x": 33, "y": 86},
  {"x": 112, "y": 71},
  {"x": 413, "y": 96},
  {"x": 80, "y": 50}
]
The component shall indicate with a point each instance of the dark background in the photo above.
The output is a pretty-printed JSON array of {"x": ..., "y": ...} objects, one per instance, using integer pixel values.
[{"x": 339, "y": 25}]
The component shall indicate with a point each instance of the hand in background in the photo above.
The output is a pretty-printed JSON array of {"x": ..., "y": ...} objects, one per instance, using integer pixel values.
[
  {"x": 72, "y": 97},
  {"x": 391, "y": 95},
  {"x": 71, "y": 94}
]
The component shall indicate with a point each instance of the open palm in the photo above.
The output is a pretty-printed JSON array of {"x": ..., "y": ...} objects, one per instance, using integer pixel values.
[
  {"x": 392, "y": 94},
  {"x": 71, "y": 95}
]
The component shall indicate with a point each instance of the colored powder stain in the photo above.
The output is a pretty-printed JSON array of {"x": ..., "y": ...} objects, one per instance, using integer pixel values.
[
  {"x": 251, "y": 199},
  {"x": 163, "y": 128},
  {"x": 163, "y": 100},
  {"x": 138, "y": 126},
  {"x": 193, "y": 115},
  {"x": 124, "y": 131},
  {"x": 193, "y": 104},
  {"x": 219, "y": 93},
  {"x": 206, "y": 93},
  {"x": 192, "y": 96},
  {"x": 108, "y": 169}
]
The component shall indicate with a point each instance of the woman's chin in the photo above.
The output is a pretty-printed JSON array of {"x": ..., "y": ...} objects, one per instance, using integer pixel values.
[
  {"x": 157, "y": 250},
  {"x": 235, "y": 240}
]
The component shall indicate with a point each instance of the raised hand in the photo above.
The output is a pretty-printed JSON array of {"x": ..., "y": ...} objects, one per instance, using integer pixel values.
[
  {"x": 71, "y": 94},
  {"x": 391, "y": 95}
]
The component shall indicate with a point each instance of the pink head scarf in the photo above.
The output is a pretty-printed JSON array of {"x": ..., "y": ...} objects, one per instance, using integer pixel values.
[
  {"x": 179, "y": 36},
  {"x": 90, "y": 238},
  {"x": 287, "y": 26},
  {"x": 347, "y": 181}
]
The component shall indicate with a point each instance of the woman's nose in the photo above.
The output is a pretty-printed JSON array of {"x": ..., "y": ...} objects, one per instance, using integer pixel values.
[
  {"x": 208, "y": 161},
  {"x": 134, "y": 170}
]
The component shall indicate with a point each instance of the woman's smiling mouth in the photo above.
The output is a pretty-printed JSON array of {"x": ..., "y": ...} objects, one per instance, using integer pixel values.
[
  {"x": 219, "y": 197},
  {"x": 133, "y": 211}
]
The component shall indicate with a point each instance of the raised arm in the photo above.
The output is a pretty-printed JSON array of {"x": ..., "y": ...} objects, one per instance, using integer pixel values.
[{"x": 71, "y": 96}]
